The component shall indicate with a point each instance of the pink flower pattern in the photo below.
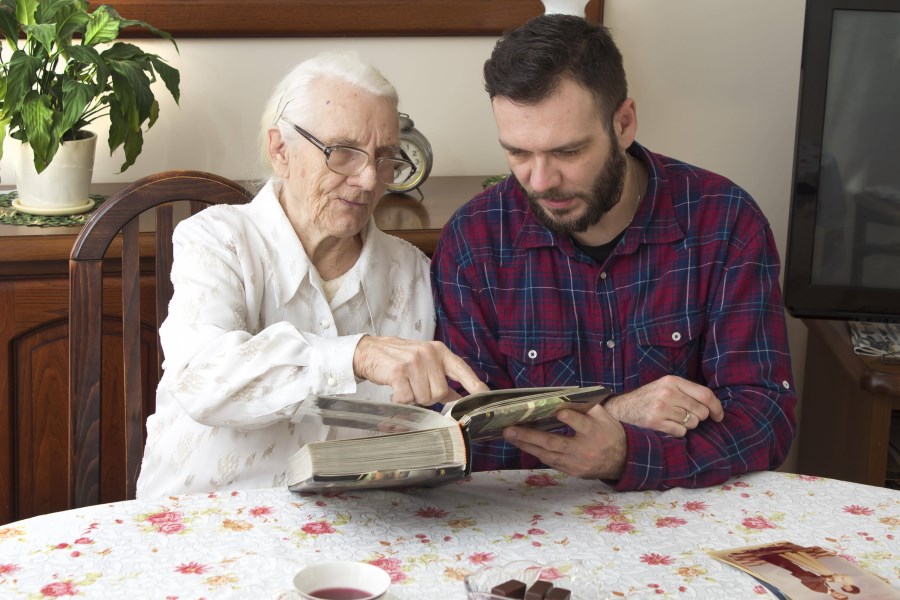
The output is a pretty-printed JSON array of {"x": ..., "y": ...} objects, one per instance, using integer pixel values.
[
  {"x": 58, "y": 589},
  {"x": 758, "y": 523},
  {"x": 430, "y": 540}
]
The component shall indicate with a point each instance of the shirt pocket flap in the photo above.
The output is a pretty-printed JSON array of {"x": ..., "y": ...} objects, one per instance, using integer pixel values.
[
  {"x": 675, "y": 332},
  {"x": 535, "y": 351}
]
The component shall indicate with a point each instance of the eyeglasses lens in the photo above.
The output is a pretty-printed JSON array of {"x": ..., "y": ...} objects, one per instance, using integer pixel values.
[{"x": 350, "y": 161}]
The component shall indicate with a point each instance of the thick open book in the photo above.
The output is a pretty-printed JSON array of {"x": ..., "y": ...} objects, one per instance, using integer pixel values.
[{"x": 409, "y": 445}]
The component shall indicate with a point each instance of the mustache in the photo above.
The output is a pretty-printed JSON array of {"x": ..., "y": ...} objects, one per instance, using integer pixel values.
[{"x": 557, "y": 195}]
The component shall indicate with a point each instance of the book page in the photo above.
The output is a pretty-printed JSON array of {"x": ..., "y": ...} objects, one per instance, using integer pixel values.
[
  {"x": 806, "y": 572},
  {"x": 536, "y": 411},
  {"x": 366, "y": 415},
  {"x": 458, "y": 408}
]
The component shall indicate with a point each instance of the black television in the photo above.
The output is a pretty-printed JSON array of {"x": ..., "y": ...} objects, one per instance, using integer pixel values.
[{"x": 843, "y": 252}]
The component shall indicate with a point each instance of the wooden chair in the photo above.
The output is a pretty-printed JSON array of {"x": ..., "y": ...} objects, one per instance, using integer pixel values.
[{"x": 119, "y": 214}]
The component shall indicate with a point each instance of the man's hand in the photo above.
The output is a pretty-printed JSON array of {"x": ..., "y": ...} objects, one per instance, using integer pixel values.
[
  {"x": 597, "y": 450},
  {"x": 670, "y": 404},
  {"x": 416, "y": 371}
]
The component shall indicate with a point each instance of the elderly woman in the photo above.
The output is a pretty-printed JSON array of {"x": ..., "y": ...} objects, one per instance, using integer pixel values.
[{"x": 296, "y": 293}]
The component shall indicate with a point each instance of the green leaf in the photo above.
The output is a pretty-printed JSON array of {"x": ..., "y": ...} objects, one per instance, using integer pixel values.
[
  {"x": 48, "y": 10},
  {"x": 4, "y": 123},
  {"x": 37, "y": 121},
  {"x": 25, "y": 10},
  {"x": 9, "y": 26},
  {"x": 117, "y": 126},
  {"x": 89, "y": 56},
  {"x": 76, "y": 96},
  {"x": 170, "y": 76},
  {"x": 69, "y": 23},
  {"x": 134, "y": 142},
  {"x": 154, "y": 114},
  {"x": 131, "y": 85},
  {"x": 44, "y": 34},
  {"x": 101, "y": 27},
  {"x": 23, "y": 75}
]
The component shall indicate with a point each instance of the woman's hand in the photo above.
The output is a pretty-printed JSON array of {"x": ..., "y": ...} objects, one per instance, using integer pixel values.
[{"x": 416, "y": 371}]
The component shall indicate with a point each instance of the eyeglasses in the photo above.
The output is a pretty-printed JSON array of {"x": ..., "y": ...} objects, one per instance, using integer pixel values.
[{"x": 350, "y": 161}]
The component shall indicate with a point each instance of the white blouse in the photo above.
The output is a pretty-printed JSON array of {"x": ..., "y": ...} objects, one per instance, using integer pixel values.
[{"x": 250, "y": 334}]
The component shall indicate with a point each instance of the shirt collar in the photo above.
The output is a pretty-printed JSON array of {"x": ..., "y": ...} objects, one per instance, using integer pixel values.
[{"x": 293, "y": 266}]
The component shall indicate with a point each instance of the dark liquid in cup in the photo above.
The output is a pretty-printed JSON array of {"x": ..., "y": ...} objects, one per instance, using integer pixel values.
[{"x": 340, "y": 593}]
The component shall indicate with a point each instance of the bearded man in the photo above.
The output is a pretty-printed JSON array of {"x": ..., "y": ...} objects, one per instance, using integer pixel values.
[{"x": 600, "y": 262}]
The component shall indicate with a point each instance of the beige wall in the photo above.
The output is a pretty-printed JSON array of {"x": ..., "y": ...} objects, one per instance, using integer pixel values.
[{"x": 715, "y": 81}]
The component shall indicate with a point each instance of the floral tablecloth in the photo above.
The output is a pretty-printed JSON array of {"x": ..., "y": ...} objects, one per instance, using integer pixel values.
[{"x": 248, "y": 544}]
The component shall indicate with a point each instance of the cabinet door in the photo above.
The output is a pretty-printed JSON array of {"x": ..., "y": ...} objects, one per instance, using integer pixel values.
[
  {"x": 40, "y": 360},
  {"x": 34, "y": 377}
]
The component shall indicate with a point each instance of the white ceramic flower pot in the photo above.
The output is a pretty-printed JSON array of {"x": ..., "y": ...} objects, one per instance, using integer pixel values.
[
  {"x": 64, "y": 187},
  {"x": 565, "y": 7}
]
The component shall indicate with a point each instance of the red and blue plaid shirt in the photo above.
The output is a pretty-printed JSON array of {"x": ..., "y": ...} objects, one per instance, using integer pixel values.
[{"x": 690, "y": 290}]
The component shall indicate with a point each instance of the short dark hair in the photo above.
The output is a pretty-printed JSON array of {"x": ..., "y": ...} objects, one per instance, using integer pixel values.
[{"x": 529, "y": 62}]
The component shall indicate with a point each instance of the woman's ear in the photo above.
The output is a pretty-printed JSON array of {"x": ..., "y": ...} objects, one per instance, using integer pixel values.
[{"x": 278, "y": 153}]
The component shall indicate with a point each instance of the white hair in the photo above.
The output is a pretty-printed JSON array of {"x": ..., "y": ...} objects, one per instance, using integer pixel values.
[{"x": 292, "y": 96}]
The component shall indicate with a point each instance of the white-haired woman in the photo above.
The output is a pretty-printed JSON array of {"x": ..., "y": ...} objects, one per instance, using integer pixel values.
[{"x": 295, "y": 293}]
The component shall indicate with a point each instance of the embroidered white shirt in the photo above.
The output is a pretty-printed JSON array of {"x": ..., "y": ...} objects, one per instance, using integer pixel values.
[{"x": 250, "y": 334}]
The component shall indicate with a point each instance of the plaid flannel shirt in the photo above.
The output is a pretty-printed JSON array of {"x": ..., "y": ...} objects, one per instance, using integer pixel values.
[{"x": 690, "y": 290}]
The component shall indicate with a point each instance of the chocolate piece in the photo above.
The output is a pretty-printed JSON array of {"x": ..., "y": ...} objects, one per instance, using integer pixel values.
[
  {"x": 558, "y": 593},
  {"x": 509, "y": 589},
  {"x": 538, "y": 590}
]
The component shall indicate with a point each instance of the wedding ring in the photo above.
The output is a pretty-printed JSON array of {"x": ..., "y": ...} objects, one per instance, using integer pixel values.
[{"x": 687, "y": 417}]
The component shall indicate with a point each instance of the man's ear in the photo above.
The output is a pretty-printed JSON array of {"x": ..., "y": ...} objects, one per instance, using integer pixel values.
[
  {"x": 625, "y": 122},
  {"x": 278, "y": 153}
]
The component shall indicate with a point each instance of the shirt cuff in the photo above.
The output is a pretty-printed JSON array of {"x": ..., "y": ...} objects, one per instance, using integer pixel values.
[
  {"x": 332, "y": 364},
  {"x": 643, "y": 461}
]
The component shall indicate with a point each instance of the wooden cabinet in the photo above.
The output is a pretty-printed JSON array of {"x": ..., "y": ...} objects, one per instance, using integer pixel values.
[
  {"x": 34, "y": 290},
  {"x": 849, "y": 405}
]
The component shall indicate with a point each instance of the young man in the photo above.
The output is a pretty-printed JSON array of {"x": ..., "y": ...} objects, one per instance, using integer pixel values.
[{"x": 600, "y": 262}]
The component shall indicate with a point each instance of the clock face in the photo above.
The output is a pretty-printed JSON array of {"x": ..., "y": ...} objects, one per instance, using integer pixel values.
[{"x": 417, "y": 155}]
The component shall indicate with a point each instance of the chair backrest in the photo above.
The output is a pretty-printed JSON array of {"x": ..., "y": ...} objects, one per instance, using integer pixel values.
[{"x": 119, "y": 214}]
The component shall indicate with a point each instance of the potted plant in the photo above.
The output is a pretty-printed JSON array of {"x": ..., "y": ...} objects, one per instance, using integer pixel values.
[{"x": 62, "y": 70}]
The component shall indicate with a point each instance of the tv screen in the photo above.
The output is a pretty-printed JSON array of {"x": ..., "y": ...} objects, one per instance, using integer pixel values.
[{"x": 843, "y": 256}]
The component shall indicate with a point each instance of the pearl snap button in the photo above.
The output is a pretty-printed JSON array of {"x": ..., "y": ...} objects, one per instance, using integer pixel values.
[
  {"x": 676, "y": 336},
  {"x": 603, "y": 275},
  {"x": 532, "y": 354},
  {"x": 610, "y": 344},
  {"x": 332, "y": 381},
  {"x": 786, "y": 385}
]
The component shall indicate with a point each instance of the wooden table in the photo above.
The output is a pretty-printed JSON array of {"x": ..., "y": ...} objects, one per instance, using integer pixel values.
[{"x": 34, "y": 336}]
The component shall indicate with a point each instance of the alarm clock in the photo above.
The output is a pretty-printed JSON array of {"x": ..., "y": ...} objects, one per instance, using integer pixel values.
[{"x": 417, "y": 148}]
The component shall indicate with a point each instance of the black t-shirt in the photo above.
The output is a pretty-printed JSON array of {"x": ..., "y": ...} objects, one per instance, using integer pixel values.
[{"x": 600, "y": 253}]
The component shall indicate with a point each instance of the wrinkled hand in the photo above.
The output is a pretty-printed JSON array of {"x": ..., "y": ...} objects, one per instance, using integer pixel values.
[
  {"x": 416, "y": 371},
  {"x": 670, "y": 404},
  {"x": 596, "y": 450}
]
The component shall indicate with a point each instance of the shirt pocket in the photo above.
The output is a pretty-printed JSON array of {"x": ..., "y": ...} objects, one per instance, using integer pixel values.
[
  {"x": 670, "y": 346},
  {"x": 539, "y": 362}
]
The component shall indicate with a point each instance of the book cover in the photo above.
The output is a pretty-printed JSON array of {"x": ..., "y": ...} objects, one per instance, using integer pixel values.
[
  {"x": 801, "y": 572},
  {"x": 404, "y": 445}
]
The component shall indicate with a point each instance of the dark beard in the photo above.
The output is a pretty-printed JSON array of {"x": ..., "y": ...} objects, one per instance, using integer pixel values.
[{"x": 606, "y": 192}]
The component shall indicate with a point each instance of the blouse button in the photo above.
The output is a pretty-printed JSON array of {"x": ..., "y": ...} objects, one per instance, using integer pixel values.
[
  {"x": 610, "y": 344},
  {"x": 532, "y": 354},
  {"x": 332, "y": 381},
  {"x": 325, "y": 324},
  {"x": 676, "y": 336}
]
